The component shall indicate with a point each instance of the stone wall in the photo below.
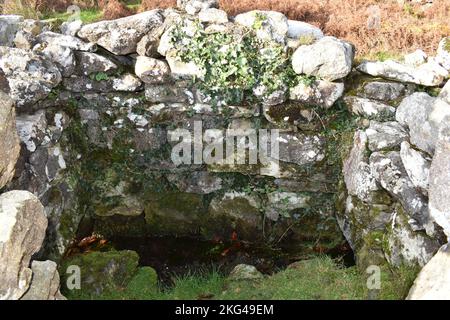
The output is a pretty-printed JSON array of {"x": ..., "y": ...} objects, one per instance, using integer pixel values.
[{"x": 363, "y": 152}]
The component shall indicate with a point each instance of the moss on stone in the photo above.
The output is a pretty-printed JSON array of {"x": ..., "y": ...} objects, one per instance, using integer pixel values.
[{"x": 100, "y": 272}]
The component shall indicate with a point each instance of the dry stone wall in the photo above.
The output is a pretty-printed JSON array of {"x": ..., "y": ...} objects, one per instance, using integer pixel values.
[{"x": 363, "y": 152}]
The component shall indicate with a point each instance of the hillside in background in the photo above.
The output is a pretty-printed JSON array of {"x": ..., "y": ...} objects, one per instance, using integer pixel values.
[{"x": 380, "y": 29}]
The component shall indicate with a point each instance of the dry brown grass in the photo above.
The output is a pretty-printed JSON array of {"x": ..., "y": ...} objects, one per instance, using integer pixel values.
[
  {"x": 155, "y": 4},
  {"x": 114, "y": 9},
  {"x": 34, "y": 8},
  {"x": 402, "y": 28}
]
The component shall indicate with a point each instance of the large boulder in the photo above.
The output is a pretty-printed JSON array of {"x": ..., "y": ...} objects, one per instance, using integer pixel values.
[
  {"x": 71, "y": 42},
  {"x": 32, "y": 129},
  {"x": 9, "y": 25},
  {"x": 152, "y": 71},
  {"x": 302, "y": 30},
  {"x": 428, "y": 74},
  {"x": 385, "y": 135},
  {"x": 422, "y": 115},
  {"x": 195, "y": 6},
  {"x": 30, "y": 77},
  {"x": 358, "y": 178},
  {"x": 45, "y": 282},
  {"x": 439, "y": 183},
  {"x": 328, "y": 58},
  {"x": 22, "y": 231},
  {"x": 213, "y": 15},
  {"x": 417, "y": 165},
  {"x": 433, "y": 281},
  {"x": 9, "y": 140},
  {"x": 321, "y": 93},
  {"x": 404, "y": 246},
  {"x": 370, "y": 109},
  {"x": 384, "y": 91},
  {"x": 88, "y": 63},
  {"x": 388, "y": 170},
  {"x": 121, "y": 36},
  {"x": 268, "y": 25},
  {"x": 63, "y": 57}
]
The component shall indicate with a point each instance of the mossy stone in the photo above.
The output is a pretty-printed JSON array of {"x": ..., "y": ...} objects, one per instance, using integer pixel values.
[{"x": 100, "y": 272}]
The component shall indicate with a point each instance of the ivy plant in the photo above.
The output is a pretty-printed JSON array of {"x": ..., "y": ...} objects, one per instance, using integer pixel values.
[{"x": 237, "y": 67}]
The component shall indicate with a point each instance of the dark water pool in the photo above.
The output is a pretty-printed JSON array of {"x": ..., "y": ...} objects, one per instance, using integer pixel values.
[{"x": 171, "y": 256}]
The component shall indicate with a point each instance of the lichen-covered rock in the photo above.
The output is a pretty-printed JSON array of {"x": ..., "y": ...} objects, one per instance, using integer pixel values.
[
  {"x": 388, "y": 170},
  {"x": 88, "y": 63},
  {"x": 357, "y": 174},
  {"x": 24, "y": 40},
  {"x": 124, "y": 204},
  {"x": 404, "y": 246},
  {"x": 213, "y": 15},
  {"x": 300, "y": 149},
  {"x": 385, "y": 135},
  {"x": 245, "y": 272},
  {"x": 428, "y": 74},
  {"x": 22, "y": 231},
  {"x": 121, "y": 36},
  {"x": 152, "y": 71},
  {"x": 45, "y": 282},
  {"x": 9, "y": 25},
  {"x": 202, "y": 182},
  {"x": 363, "y": 225},
  {"x": 417, "y": 165},
  {"x": 384, "y": 91},
  {"x": 240, "y": 208},
  {"x": 62, "y": 56},
  {"x": 416, "y": 58},
  {"x": 433, "y": 281},
  {"x": 302, "y": 30},
  {"x": 268, "y": 25},
  {"x": 9, "y": 140},
  {"x": 53, "y": 38},
  {"x": 370, "y": 109},
  {"x": 328, "y": 58},
  {"x": 32, "y": 26},
  {"x": 439, "y": 182},
  {"x": 148, "y": 46},
  {"x": 181, "y": 69},
  {"x": 281, "y": 203},
  {"x": 195, "y": 6},
  {"x": 124, "y": 82},
  {"x": 30, "y": 77},
  {"x": 168, "y": 94},
  {"x": 275, "y": 98},
  {"x": 422, "y": 115},
  {"x": 71, "y": 28},
  {"x": 321, "y": 93},
  {"x": 443, "y": 53},
  {"x": 32, "y": 129}
]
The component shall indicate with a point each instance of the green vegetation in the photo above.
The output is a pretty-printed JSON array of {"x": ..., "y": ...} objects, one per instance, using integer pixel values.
[
  {"x": 318, "y": 278},
  {"x": 99, "y": 76},
  {"x": 381, "y": 56},
  {"x": 236, "y": 67},
  {"x": 86, "y": 15},
  {"x": 447, "y": 44}
]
